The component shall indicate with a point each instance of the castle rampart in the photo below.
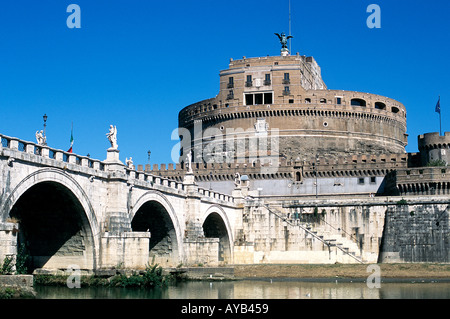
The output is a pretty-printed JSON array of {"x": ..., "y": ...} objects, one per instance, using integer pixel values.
[
  {"x": 434, "y": 147},
  {"x": 277, "y": 95}
]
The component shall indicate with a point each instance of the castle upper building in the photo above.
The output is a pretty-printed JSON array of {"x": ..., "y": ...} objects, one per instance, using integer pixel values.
[{"x": 286, "y": 97}]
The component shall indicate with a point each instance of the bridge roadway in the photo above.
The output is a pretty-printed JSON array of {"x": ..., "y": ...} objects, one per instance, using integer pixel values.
[{"x": 66, "y": 209}]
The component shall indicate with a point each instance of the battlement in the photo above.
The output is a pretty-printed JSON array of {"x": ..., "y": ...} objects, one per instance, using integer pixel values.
[
  {"x": 433, "y": 141},
  {"x": 355, "y": 165}
]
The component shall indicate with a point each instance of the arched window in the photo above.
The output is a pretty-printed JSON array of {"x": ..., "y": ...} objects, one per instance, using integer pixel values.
[
  {"x": 395, "y": 109},
  {"x": 380, "y": 105},
  {"x": 307, "y": 100},
  {"x": 358, "y": 102},
  {"x": 323, "y": 100},
  {"x": 298, "y": 177}
]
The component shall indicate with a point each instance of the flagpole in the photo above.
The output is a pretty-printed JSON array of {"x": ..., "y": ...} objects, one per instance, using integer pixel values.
[{"x": 440, "y": 123}]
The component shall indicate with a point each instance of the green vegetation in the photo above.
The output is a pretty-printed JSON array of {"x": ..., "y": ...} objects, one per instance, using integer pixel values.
[
  {"x": 437, "y": 162},
  {"x": 22, "y": 261},
  {"x": 402, "y": 202},
  {"x": 151, "y": 277},
  {"x": 16, "y": 293},
  {"x": 7, "y": 267}
]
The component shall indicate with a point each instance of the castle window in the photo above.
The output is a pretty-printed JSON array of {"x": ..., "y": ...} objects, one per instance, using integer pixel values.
[
  {"x": 395, "y": 109},
  {"x": 268, "y": 98},
  {"x": 259, "y": 98},
  {"x": 230, "y": 95},
  {"x": 267, "y": 80},
  {"x": 338, "y": 100},
  {"x": 361, "y": 181},
  {"x": 358, "y": 102},
  {"x": 286, "y": 90},
  {"x": 373, "y": 180},
  {"x": 380, "y": 105},
  {"x": 230, "y": 82},
  {"x": 298, "y": 177},
  {"x": 323, "y": 100},
  {"x": 307, "y": 100},
  {"x": 286, "y": 78},
  {"x": 248, "y": 83},
  {"x": 248, "y": 99},
  {"x": 291, "y": 101}
]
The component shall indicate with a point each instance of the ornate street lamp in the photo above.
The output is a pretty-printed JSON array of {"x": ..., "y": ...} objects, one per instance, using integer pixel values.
[{"x": 45, "y": 126}]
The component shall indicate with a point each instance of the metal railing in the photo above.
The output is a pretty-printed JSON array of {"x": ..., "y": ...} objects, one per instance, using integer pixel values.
[{"x": 327, "y": 243}]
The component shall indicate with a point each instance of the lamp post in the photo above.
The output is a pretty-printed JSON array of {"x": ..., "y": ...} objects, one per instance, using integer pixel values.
[{"x": 45, "y": 126}]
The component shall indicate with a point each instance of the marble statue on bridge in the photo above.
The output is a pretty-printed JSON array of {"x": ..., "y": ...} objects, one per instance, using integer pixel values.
[{"x": 112, "y": 136}]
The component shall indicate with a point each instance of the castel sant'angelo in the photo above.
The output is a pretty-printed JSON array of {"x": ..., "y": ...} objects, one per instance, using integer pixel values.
[{"x": 275, "y": 123}]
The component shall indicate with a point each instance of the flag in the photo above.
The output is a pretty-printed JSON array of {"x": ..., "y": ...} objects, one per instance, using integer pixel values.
[
  {"x": 71, "y": 140},
  {"x": 438, "y": 106}
]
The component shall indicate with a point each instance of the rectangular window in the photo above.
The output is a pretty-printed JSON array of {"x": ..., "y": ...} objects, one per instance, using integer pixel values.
[
  {"x": 373, "y": 180},
  {"x": 361, "y": 181},
  {"x": 248, "y": 99},
  {"x": 249, "y": 81},
  {"x": 258, "y": 98},
  {"x": 338, "y": 100},
  {"x": 268, "y": 98},
  {"x": 230, "y": 82}
]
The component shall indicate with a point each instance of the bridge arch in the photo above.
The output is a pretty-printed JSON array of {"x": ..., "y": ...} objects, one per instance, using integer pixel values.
[
  {"x": 57, "y": 223},
  {"x": 154, "y": 212},
  {"x": 215, "y": 224}
]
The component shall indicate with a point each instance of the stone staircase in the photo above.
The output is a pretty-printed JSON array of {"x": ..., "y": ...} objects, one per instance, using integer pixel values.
[{"x": 346, "y": 246}]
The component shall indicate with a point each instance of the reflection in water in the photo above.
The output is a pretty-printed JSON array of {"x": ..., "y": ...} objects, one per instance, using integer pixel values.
[{"x": 250, "y": 289}]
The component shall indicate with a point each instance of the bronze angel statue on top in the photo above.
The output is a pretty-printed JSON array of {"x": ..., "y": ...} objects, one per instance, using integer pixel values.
[{"x": 283, "y": 39}]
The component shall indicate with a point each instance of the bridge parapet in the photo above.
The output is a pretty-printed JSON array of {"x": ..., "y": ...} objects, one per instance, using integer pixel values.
[
  {"x": 33, "y": 149},
  {"x": 14, "y": 148}
]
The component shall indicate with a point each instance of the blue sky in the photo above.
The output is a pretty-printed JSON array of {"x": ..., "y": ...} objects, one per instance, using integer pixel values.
[{"x": 136, "y": 63}]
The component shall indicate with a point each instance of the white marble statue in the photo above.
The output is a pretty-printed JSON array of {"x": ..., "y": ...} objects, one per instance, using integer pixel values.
[
  {"x": 40, "y": 137},
  {"x": 112, "y": 136},
  {"x": 237, "y": 179},
  {"x": 189, "y": 161},
  {"x": 129, "y": 162}
]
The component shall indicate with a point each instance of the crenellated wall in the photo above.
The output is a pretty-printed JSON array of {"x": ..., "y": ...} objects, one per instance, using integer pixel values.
[{"x": 434, "y": 147}]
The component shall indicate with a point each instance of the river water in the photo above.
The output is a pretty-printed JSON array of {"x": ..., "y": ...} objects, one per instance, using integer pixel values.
[{"x": 258, "y": 289}]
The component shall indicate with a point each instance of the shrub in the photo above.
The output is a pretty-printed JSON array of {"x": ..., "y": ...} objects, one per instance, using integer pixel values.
[{"x": 7, "y": 266}]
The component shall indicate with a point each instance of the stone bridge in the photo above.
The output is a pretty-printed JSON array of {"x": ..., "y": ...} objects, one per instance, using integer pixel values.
[
  {"x": 68, "y": 209},
  {"x": 64, "y": 209}
]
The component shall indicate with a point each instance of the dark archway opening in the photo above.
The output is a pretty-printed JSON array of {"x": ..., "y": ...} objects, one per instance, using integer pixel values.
[
  {"x": 214, "y": 227},
  {"x": 53, "y": 228},
  {"x": 358, "y": 102},
  {"x": 153, "y": 217}
]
